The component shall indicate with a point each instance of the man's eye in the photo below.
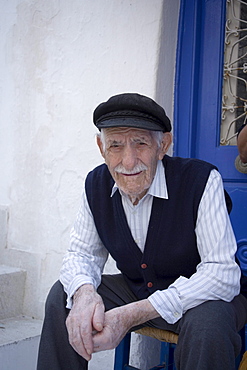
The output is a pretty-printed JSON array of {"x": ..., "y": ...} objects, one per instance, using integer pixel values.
[
  {"x": 141, "y": 143},
  {"x": 115, "y": 146}
]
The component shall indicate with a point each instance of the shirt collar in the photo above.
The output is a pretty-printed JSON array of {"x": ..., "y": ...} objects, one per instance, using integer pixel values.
[{"x": 158, "y": 187}]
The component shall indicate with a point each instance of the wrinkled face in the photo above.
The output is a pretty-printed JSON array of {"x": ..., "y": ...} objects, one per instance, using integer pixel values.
[{"x": 131, "y": 155}]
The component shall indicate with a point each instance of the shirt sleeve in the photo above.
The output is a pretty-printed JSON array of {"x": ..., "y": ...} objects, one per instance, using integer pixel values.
[
  {"x": 217, "y": 276},
  {"x": 85, "y": 259}
]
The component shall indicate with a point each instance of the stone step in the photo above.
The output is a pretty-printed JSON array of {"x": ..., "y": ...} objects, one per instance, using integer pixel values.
[
  {"x": 12, "y": 286},
  {"x": 19, "y": 340}
]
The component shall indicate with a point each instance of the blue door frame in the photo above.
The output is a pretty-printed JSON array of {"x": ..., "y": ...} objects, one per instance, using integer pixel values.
[{"x": 198, "y": 96}]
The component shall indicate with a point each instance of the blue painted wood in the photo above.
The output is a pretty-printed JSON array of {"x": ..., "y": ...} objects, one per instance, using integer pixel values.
[
  {"x": 242, "y": 254},
  {"x": 167, "y": 355},
  {"x": 187, "y": 77},
  {"x": 198, "y": 85},
  {"x": 198, "y": 95},
  {"x": 122, "y": 353}
]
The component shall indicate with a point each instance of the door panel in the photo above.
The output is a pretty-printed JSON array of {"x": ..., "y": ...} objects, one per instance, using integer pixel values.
[{"x": 198, "y": 96}]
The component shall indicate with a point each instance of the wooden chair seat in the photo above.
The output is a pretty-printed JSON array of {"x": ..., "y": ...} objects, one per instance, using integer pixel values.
[{"x": 162, "y": 335}]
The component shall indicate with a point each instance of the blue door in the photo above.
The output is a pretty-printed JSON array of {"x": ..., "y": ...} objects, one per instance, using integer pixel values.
[{"x": 198, "y": 97}]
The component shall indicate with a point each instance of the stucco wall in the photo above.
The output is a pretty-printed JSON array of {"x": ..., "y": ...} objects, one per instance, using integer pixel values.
[{"x": 58, "y": 60}]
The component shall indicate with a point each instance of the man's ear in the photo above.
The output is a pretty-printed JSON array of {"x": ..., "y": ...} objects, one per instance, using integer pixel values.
[
  {"x": 165, "y": 144},
  {"x": 100, "y": 145}
]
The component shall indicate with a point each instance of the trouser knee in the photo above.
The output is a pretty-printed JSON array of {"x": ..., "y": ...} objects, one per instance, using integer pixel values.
[
  {"x": 210, "y": 317},
  {"x": 213, "y": 323},
  {"x": 208, "y": 337}
]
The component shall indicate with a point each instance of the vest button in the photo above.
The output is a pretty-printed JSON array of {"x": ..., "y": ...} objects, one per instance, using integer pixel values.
[
  {"x": 144, "y": 266},
  {"x": 150, "y": 284}
]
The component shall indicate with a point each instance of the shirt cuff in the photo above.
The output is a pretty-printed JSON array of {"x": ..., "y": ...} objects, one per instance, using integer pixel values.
[{"x": 168, "y": 304}]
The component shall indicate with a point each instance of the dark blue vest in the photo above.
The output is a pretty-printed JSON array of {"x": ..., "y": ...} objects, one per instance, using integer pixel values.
[{"x": 170, "y": 248}]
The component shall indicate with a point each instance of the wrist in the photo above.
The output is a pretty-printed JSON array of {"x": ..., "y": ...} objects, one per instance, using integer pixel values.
[
  {"x": 85, "y": 289},
  {"x": 137, "y": 313}
]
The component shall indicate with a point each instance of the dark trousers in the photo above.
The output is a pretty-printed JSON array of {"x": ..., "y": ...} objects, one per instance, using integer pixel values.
[{"x": 208, "y": 333}]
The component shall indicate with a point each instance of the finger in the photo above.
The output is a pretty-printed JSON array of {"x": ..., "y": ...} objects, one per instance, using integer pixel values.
[
  {"x": 76, "y": 340},
  {"x": 99, "y": 317},
  {"x": 100, "y": 341}
]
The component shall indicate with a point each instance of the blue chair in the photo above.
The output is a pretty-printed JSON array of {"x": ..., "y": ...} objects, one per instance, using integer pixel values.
[{"x": 168, "y": 343}]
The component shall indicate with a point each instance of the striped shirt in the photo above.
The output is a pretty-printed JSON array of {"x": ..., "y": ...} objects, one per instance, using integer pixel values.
[{"x": 217, "y": 276}]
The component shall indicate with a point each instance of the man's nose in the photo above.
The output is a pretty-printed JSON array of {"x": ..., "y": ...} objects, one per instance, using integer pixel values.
[{"x": 129, "y": 159}]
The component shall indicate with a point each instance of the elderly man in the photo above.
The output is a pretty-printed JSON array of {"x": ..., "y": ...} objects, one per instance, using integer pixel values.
[{"x": 164, "y": 221}]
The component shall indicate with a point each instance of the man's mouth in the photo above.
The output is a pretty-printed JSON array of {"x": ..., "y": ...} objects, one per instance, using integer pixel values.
[
  {"x": 131, "y": 174},
  {"x": 137, "y": 170}
]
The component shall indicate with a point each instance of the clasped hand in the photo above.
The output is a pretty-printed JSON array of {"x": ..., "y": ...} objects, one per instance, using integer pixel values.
[{"x": 90, "y": 328}]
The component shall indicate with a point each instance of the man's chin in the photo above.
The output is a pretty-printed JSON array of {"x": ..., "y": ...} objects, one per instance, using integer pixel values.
[{"x": 134, "y": 193}]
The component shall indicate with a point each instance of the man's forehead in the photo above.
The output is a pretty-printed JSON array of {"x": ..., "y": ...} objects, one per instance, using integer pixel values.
[{"x": 113, "y": 131}]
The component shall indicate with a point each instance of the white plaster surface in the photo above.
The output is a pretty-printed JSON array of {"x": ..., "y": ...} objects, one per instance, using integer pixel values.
[
  {"x": 20, "y": 355},
  {"x": 18, "y": 328},
  {"x": 19, "y": 340},
  {"x": 58, "y": 60},
  {"x": 12, "y": 284}
]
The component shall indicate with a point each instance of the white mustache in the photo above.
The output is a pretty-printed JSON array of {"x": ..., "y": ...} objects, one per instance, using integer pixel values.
[{"x": 138, "y": 168}]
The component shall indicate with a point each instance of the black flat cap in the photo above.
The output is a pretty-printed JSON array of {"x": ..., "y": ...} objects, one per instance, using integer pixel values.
[{"x": 131, "y": 110}]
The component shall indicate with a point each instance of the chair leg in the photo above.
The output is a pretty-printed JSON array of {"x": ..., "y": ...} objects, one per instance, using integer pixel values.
[
  {"x": 122, "y": 353},
  {"x": 167, "y": 356}
]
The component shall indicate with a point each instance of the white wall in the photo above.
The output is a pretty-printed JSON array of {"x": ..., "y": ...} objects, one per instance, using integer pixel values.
[{"x": 58, "y": 60}]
